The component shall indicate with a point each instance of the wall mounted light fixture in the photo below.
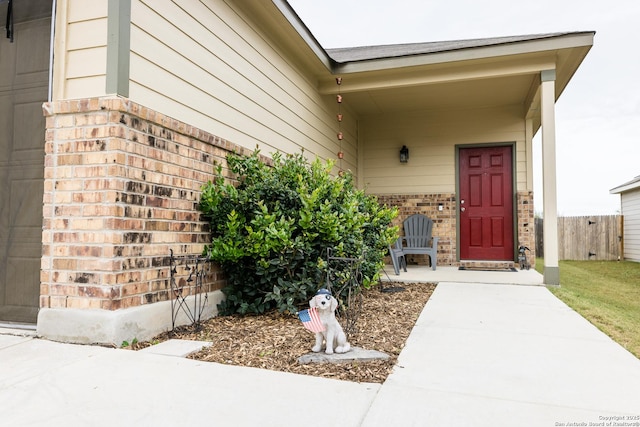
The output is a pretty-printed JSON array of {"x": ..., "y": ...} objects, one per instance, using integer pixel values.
[{"x": 404, "y": 154}]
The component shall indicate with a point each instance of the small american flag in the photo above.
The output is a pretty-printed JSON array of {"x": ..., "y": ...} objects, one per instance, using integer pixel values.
[{"x": 311, "y": 320}]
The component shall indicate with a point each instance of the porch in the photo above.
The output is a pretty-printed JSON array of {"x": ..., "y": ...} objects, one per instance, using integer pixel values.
[{"x": 424, "y": 273}]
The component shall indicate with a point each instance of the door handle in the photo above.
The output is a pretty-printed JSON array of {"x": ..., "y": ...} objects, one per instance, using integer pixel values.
[{"x": 462, "y": 209}]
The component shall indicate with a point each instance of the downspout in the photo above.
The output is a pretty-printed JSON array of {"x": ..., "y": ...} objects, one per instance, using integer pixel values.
[
  {"x": 49, "y": 99},
  {"x": 53, "y": 31}
]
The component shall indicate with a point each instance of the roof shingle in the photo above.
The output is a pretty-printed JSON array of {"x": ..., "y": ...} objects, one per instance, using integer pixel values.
[{"x": 365, "y": 53}]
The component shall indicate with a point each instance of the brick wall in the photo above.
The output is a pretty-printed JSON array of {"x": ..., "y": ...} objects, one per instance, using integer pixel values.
[
  {"x": 122, "y": 183},
  {"x": 444, "y": 221},
  {"x": 441, "y": 208}
]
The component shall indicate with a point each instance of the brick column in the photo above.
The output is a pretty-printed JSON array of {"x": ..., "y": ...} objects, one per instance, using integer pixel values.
[
  {"x": 122, "y": 183},
  {"x": 526, "y": 224}
]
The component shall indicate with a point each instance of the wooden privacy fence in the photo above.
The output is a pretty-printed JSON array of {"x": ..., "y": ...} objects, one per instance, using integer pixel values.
[{"x": 585, "y": 237}]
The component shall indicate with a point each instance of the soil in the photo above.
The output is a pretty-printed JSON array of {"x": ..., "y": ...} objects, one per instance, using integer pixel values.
[{"x": 275, "y": 341}]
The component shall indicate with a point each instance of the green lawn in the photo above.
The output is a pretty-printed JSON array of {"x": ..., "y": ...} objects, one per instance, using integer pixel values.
[{"x": 607, "y": 293}]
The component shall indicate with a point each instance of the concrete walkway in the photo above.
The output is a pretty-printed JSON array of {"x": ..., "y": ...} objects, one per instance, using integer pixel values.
[
  {"x": 480, "y": 355},
  {"x": 503, "y": 355},
  {"x": 44, "y": 383}
]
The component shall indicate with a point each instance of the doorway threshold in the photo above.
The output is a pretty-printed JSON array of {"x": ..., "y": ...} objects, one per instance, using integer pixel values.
[{"x": 505, "y": 269}]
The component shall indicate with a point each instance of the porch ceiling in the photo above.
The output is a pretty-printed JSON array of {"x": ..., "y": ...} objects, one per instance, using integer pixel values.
[
  {"x": 459, "y": 80},
  {"x": 480, "y": 93}
]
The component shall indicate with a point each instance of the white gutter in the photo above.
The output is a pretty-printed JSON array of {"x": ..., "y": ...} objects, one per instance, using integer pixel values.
[
  {"x": 631, "y": 185},
  {"x": 53, "y": 31},
  {"x": 551, "y": 44}
]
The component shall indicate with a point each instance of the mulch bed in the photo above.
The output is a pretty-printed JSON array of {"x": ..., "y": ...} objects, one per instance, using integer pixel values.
[{"x": 275, "y": 341}]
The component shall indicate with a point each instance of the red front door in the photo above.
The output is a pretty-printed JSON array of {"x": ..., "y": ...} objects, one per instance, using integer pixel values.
[{"x": 486, "y": 203}]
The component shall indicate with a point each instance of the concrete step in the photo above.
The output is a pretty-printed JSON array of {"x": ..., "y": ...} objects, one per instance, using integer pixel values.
[{"x": 177, "y": 348}]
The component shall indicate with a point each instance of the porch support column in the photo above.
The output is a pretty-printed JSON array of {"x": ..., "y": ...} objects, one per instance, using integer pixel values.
[{"x": 549, "y": 200}]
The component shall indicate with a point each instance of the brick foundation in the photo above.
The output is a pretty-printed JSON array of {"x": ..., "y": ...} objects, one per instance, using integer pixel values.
[{"x": 122, "y": 184}]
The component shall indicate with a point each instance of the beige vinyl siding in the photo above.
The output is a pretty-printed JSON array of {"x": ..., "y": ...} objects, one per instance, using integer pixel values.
[
  {"x": 87, "y": 34},
  {"x": 431, "y": 137},
  {"x": 202, "y": 63},
  {"x": 80, "y": 49},
  {"x": 86, "y": 63},
  {"x": 630, "y": 202}
]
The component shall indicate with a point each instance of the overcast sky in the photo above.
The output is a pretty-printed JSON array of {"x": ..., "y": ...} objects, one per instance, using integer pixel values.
[{"x": 598, "y": 114}]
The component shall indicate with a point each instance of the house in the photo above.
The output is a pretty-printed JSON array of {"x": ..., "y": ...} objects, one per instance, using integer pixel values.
[
  {"x": 630, "y": 204},
  {"x": 134, "y": 101}
]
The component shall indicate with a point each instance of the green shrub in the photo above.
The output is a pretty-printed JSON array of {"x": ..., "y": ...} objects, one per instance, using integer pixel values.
[{"x": 270, "y": 234}]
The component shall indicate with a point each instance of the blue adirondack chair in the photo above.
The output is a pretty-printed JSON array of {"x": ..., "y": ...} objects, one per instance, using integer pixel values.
[{"x": 417, "y": 240}]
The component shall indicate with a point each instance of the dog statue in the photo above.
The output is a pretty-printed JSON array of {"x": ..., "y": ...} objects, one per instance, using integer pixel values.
[{"x": 333, "y": 336}]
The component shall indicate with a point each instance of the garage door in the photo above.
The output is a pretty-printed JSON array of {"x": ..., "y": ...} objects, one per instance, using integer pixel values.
[{"x": 24, "y": 65}]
